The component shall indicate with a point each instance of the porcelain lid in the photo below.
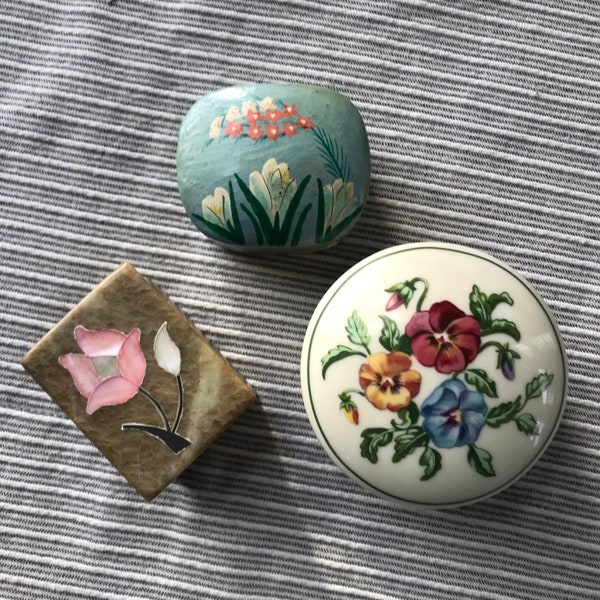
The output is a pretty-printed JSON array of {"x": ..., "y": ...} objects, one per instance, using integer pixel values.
[{"x": 433, "y": 374}]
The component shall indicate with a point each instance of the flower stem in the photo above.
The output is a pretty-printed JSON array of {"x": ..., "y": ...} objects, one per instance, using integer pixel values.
[
  {"x": 489, "y": 344},
  {"x": 158, "y": 407},
  {"x": 353, "y": 390},
  {"x": 180, "y": 405},
  {"x": 424, "y": 293}
]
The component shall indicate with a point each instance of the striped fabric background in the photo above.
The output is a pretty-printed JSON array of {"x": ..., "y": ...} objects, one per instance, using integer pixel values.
[{"x": 483, "y": 119}]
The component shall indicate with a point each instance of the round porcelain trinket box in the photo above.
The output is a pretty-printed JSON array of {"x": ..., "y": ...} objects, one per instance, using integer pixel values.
[{"x": 433, "y": 374}]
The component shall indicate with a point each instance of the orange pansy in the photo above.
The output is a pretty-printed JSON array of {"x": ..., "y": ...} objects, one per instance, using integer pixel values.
[{"x": 388, "y": 381}]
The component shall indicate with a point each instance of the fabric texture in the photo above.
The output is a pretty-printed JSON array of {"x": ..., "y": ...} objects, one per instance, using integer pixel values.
[{"x": 483, "y": 124}]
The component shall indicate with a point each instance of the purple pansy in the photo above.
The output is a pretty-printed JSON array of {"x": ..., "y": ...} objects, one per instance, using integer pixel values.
[{"x": 453, "y": 415}]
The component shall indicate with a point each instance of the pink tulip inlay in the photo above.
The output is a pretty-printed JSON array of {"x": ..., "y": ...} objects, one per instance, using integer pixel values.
[{"x": 111, "y": 369}]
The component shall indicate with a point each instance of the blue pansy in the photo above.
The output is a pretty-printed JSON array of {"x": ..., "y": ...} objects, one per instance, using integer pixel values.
[{"x": 453, "y": 415}]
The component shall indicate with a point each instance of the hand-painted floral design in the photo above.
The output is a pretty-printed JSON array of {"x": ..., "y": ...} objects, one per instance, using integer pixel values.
[
  {"x": 290, "y": 129},
  {"x": 217, "y": 208},
  {"x": 249, "y": 106},
  {"x": 273, "y": 199},
  {"x": 255, "y": 131},
  {"x": 215, "y": 128},
  {"x": 267, "y": 104},
  {"x": 111, "y": 371},
  {"x": 453, "y": 415},
  {"x": 233, "y": 129},
  {"x": 351, "y": 414},
  {"x": 260, "y": 119},
  {"x": 272, "y": 131},
  {"x": 252, "y": 116},
  {"x": 233, "y": 114},
  {"x": 273, "y": 188},
  {"x": 305, "y": 122},
  {"x": 274, "y": 205},
  {"x": 340, "y": 203},
  {"x": 444, "y": 337},
  {"x": 447, "y": 340},
  {"x": 402, "y": 294},
  {"x": 388, "y": 381}
]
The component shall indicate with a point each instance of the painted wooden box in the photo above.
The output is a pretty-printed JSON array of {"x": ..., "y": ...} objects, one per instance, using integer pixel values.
[{"x": 273, "y": 167}]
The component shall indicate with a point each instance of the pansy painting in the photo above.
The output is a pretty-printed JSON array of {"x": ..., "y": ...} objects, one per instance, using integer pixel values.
[
  {"x": 445, "y": 340},
  {"x": 433, "y": 374},
  {"x": 388, "y": 381}
]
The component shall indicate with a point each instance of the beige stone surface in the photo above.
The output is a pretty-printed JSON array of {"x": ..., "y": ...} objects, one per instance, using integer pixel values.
[{"x": 214, "y": 393}]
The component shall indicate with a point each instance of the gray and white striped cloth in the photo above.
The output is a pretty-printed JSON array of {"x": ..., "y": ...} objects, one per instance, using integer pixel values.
[{"x": 483, "y": 119}]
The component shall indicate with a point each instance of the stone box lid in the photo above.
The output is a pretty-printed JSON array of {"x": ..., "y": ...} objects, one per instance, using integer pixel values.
[{"x": 138, "y": 379}]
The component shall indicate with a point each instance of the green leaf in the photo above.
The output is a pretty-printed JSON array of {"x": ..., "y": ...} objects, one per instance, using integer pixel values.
[
  {"x": 333, "y": 155},
  {"x": 261, "y": 214},
  {"x": 479, "y": 306},
  {"x": 341, "y": 226},
  {"x": 346, "y": 403},
  {"x": 496, "y": 299},
  {"x": 391, "y": 339},
  {"x": 538, "y": 385},
  {"x": 408, "y": 415},
  {"x": 527, "y": 424},
  {"x": 481, "y": 461},
  {"x": 336, "y": 354},
  {"x": 405, "y": 345},
  {"x": 503, "y": 413},
  {"x": 320, "y": 226},
  {"x": 237, "y": 226},
  {"x": 432, "y": 461},
  {"x": 344, "y": 396},
  {"x": 299, "y": 225},
  {"x": 357, "y": 330},
  {"x": 373, "y": 439},
  {"x": 480, "y": 379},
  {"x": 406, "y": 443},
  {"x": 221, "y": 231},
  {"x": 502, "y": 326},
  {"x": 286, "y": 225},
  {"x": 259, "y": 236},
  {"x": 390, "y": 335}
]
